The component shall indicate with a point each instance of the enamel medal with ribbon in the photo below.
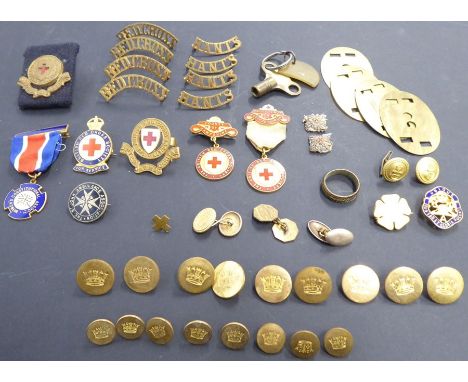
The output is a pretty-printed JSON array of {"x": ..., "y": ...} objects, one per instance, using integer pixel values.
[
  {"x": 32, "y": 153},
  {"x": 266, "y": 129},
  {"x": 214, "y": 163}
]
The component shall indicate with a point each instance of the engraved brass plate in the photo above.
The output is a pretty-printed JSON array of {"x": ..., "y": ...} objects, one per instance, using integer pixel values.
[
  {"x": 409, "y": 122},
  {"x": 132, "y": 44},
  {"x": 211, "y": 67},
  {"x": 217, "y": 81},
  {"x": 335, "y": 58},
  {"x": 216, "y": 48},
  {"x": 148, "y": 30},
  {"x": 133, "y": 81},
  {"x": 137, "y": 61},
  {"x": 207, "y": 102}
]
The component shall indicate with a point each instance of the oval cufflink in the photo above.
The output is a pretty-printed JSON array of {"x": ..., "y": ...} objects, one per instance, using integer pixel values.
[{"x": 337, "y": 237}]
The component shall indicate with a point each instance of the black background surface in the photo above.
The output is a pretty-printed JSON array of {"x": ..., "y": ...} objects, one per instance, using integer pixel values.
[{"x": 44, "y": 315}]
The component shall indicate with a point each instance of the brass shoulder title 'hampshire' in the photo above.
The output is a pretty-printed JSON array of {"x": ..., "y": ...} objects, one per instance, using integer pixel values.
[
  {"x": 216, "y": 48},
  {"x": 217, "y": 81},
  {"x": 205, "y": 103},
  {"x": 211, "y": 67}
]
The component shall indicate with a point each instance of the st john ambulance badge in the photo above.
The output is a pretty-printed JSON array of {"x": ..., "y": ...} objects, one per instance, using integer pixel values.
[
  {"x": 92, "y": 148},
  {"x": 87, "y": 202}
]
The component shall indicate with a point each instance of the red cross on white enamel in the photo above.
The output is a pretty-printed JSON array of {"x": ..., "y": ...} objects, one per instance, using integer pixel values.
[
  {"x": 44, "y": 68},
  {"x": 214, "y": 162},
  {"x": 91, "y": 147},
  {"x": 266, "y": 174},
  {"x": 149, "y": 138}
]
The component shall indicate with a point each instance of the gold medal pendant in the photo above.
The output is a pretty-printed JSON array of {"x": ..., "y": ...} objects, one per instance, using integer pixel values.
[
  {"x": 266, "y": 129},
  {"x": 214, "y": 163}
]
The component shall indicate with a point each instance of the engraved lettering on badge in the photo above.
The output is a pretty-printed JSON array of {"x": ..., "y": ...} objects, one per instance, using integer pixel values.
[
  {"x": 130, "y": 327},
  {"x": 137, "y": 61},
  {"x": 211, "y": 67},
  {"x": 141, "y": 275},
  {"x": 198, "y": 333},
  {"x": 95, "y": 277},
  {"x": 101, "y": 332},
  {"x": 234, "y": 336},
  {"x": 216, "y": 48},
  {"x": 149, "y": 30},
  {"x": 304, "y": 347},
  {"x": 403, "y": 285},
  {"x": 122, "y": 48},
  {"x": 270, "y": 338},
  {"x": 196, "y": 275},
  {"x": 338, "y": 342},
  {"x": 210, "y": 82},
  {"x": 273, "y": 283},
  {"x": 204, "y": 103},
  {"x": 313, "y": 285},
  {"x": 133, "y": 81}
]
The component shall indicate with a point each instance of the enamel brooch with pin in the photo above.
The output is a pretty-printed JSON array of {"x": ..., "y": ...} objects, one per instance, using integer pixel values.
[
  {"x": 92, "y": 148},
  {"x": 214, "y": 163},
  {"x": 266, "y": 129}
]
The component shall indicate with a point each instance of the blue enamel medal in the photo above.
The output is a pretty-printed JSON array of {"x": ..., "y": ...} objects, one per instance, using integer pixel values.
[{"x": 442, "y": 207}]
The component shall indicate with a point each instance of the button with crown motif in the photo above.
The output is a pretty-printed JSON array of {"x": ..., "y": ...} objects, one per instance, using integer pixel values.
[
  {"x": 235, "y": 335},
  {"x": 273, "y": 284},
  {"x": 403, "y": 285},
  {"x": 360, "y": 284},
  {"x": 101, "y": 332},
  {"x": 304, "y": 344},
  {"x": 271, "y": 338},
  {"x": 229, "y": 279},
  {"x": 338, "y": 342},
  {"x": 445, "y": 285},
  {"x": 95, "y": 277},
  {"x": 198, "y": 332},
  {"x": 159, "y": 330},
  {"x": 313, "y": 285},
  {"x": 196, "y": 275},
  {"x": 141, "y": 274},
  {"x": 130, "y": 327}
]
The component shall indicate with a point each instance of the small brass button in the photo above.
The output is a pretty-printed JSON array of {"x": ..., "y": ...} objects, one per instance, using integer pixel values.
[
  {"x": 130, "y": 327},
  {"x": 141, "y": 274},
  {"x": 159, "y": 330},
  {"x": 101, "y": 332},
  {"x": 273, "y": 284},
  {"x": 427, "y": 170},
  {"x": 229, "y": 279},
  {"x": 196, "y": 275},
  {"x": 394, "y": 169},
  {"x": 403, "y": 285},
  {"x": 304, "y": 344},
  {"x": 95, "y": 277},
  {"x": 313, "y": 285},
  {"x": 198, "y": 332},
  {"x": 338, "y": 342},
  {"x": 271, "y": 338},
  {"x": 360, "y": 284},
  {"x": 235, "y": 335},
  {"x": 445, "y": 285}
]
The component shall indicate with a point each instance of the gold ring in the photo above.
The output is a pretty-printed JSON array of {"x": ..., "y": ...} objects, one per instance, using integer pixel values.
[{"x": 336, "y": 197}]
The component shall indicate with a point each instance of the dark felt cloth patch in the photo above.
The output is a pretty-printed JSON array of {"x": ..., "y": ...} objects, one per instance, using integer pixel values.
[{"x": 67, "y": 52}]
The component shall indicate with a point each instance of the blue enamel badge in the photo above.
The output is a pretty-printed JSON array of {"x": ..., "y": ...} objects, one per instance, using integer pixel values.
[
  {"x": 24, "y": 201},
  {"x": 442, "y": 207}
]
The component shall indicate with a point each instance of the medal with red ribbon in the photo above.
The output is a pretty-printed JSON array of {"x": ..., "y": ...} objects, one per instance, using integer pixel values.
[{"x": 32, "y": 153}]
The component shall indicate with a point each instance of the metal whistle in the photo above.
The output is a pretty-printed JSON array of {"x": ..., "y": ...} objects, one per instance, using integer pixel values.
[{"x": 275, "y": 81}]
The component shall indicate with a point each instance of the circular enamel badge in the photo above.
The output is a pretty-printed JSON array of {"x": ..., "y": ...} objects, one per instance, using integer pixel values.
[
  {"x": 92, "y": 147},
  {"x": 87, "y": 202},
  {"x": 25, "y": 200},
  {"x": 214, "y": 163},
  {"x": 266, "y": 175}
]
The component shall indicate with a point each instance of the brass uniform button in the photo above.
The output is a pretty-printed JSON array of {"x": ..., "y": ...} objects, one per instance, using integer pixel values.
[
  {"x": 45, "y": 70},
  {"x": 235, "y": 335},
  {"x": 394, "y": 169},
  {"x": 130, "y": 327},
  {"x": 196, "y": 275},
  {"x": 427, "y": 170},
  {"x": 403, "y": 285},
  {"x": 273, "y": 284},
  {"x": 360, "y": 284},
  {"x": 313, "y": 285},
  {"x": 159, "y": 330},
  {"x": 141, "y": 274},
  {"x": 95, "y": 277},
  {"x": 229, "y": 279},
  {"x": 198, "y": 332},
  {"x": 304, "y": 344},
  {"x": 101, "y": 332},
  {"x": 338, "y": 342},
  {"x": 271, "y": 338},
  {"x": 445, "y": 285}
]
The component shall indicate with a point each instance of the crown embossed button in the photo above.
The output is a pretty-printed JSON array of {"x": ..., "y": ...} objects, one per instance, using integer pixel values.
[
  {"x": 313, "y": 285},
  {"x": 159, "y": 330},
  {"x": 338, "y": 342},
  {"x": 101, "y": 332},
  {"x": 198, "y": 332},
  {"x": 235, "y": 335},
  {"x": 445, "y": 285},
  {"x": 229, "y": 279},
  {"x": 360, "y": 284},
  {"x": 95, "y": 277},
  {"x": 403, "y": 285},
  {"x": 130, "y": 327},
  {"x": 141, "y": 274},
  {"x": 196, "y": 275},
  {"x": 271, "y": 338},
  {"x": 304, "y": 344},
  {"x": 273, "y": 284}
]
